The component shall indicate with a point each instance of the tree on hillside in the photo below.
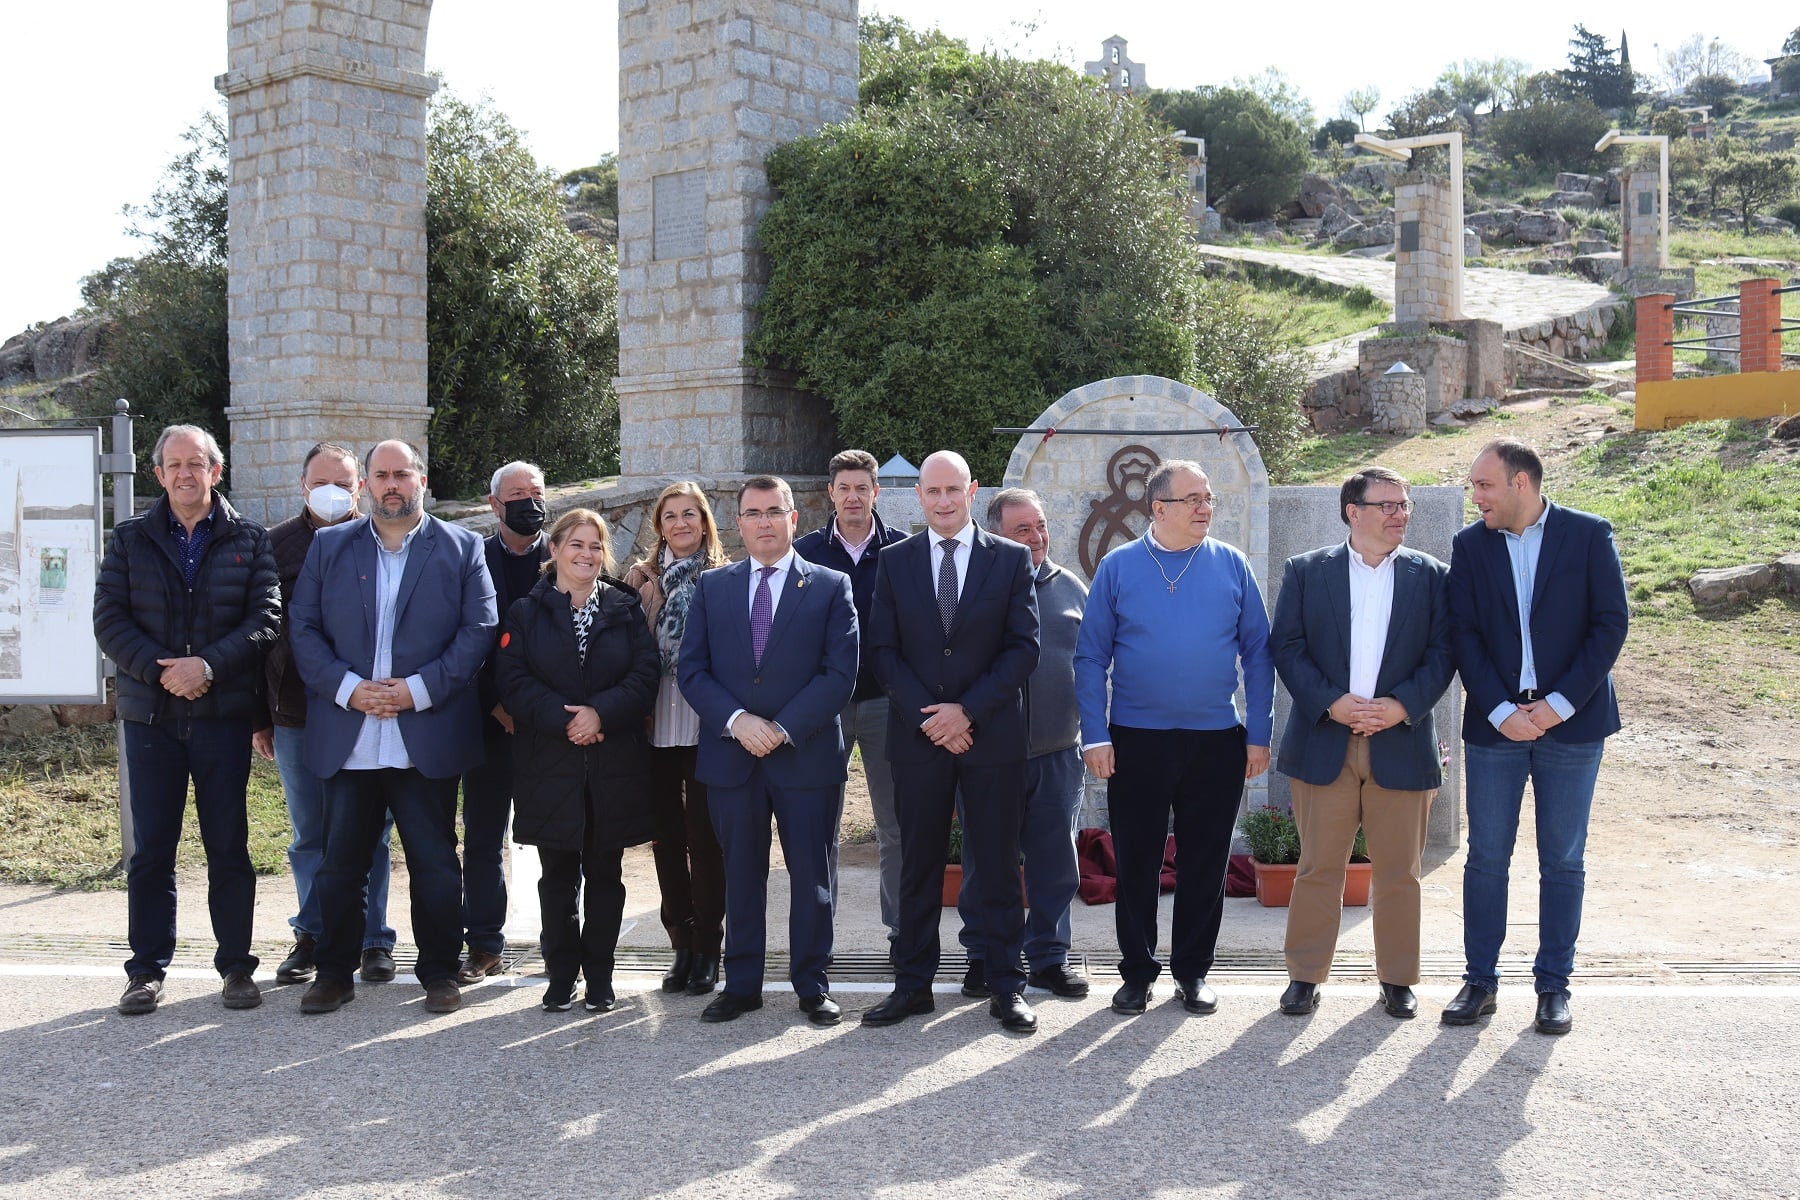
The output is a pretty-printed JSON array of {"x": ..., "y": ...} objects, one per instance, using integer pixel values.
[
  {"x": 1335, "y": 132},
  {"x": 1509, "y": 76},
  {"x": 1594, "y": 71},
  {"x": 1698, "y": 56},
  {"x": 1279, "y": 92},
  {"x": 522, "y": 313},
  {"x": 1553, "y": 131},
  {"x": 594, "y": 190},
  {"x": 1430, "y": 110},
  {"x": 1470, "y": 83},
  {"x": 1719, "y": 92},
  {"x": 1255, "y": 155},
  {"x": 1359, "y": 103},
  {"x": 1753, "y": 180},
  {"x": 1792, "y": 45}
]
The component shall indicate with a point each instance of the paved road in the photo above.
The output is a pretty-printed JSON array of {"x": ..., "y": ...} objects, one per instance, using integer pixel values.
[{"x": 1658, "y": 1092}]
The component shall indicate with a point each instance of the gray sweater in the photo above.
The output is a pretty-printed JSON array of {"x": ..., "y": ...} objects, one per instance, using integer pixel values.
[{"x": 1051, "y": 715}]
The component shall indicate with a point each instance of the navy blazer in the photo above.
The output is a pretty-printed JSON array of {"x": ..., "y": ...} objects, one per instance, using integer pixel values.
[
  {"x": 1310, "y": 641},
  {"x": 1579, "y": 617},
  {"x": 807, "y": 673},
  {"x": 982, "y": 665},
  {"x": 443, "y": 628}
]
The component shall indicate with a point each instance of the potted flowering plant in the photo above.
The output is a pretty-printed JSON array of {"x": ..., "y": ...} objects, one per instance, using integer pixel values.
[{"x": 1274, "y": 842}]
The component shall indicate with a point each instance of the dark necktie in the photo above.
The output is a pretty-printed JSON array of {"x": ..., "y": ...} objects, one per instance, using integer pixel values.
[
  {"x": 762, "y": 615},
  {"x": 946, "y": 588}
]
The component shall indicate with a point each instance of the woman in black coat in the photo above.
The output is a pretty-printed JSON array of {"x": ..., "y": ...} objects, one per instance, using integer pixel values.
[{"x": 577, "y": 670}]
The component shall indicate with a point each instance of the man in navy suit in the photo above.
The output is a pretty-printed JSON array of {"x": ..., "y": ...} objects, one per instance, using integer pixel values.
[
  {"x": 768, "y": 662},
  {"x": 1537, "y": 618},
  {"x": 1361, "y": 637},
  {"x": 391, "y": 620},
  {"x": 954, "y": 632}
]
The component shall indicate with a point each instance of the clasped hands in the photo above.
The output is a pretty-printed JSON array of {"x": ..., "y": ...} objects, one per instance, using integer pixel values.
[
  {"x": 382, "y": 698},
  {"x": 184, "y": 677},
  {"x": 1367, "y": 717},
  {"x": 583, "y": 728},
  {"x": 759, "y": 735},
  {"x": 948, "y": 726},
  {"x": 1529, "y": 722}
]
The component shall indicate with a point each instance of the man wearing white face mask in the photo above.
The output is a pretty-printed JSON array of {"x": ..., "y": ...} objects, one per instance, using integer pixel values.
[{"x": 331, "y": 483}]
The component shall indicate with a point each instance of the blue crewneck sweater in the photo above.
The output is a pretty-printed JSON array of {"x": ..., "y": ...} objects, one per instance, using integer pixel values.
[{"x": 1174, "y": 655}]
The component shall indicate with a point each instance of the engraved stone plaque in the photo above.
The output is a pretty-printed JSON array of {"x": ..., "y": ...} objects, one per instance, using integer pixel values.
[
  {"x": 1409, "y": 235},
  {"x": 678, "y": 215},
  {"x": 1646, "y": 204}
]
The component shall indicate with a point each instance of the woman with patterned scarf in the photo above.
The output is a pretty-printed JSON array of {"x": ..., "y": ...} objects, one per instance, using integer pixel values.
[{"x": 689, "y": 868}]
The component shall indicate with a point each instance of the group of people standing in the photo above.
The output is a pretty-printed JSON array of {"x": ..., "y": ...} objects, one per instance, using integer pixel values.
[{"x": 388, "y": 662}]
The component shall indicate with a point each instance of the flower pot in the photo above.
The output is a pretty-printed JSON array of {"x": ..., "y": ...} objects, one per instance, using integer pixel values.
[
  {"x": 952, "y": 883},
  {"x": 1274, "y": 883},
  {"x": 1356, "y": 884}
]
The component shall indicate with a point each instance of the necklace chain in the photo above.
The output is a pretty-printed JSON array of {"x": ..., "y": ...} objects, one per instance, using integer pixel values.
[{"x": 1178, "y": 574}]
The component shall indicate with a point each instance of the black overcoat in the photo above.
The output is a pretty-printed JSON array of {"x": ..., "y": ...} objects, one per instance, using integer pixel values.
[{"x": 539, "y": 672}]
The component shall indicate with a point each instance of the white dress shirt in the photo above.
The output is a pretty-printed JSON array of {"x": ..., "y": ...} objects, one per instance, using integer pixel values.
[
  {"x": 1371, "y": 606},
  {"x": 966, "y": 535},
  {"x": 378, "y": 743}
]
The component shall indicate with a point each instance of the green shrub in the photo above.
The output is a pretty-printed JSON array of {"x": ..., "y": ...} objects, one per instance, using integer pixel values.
[
  {"x": 1789, "y": 212},
  {"x": 1360, "y": 298}
]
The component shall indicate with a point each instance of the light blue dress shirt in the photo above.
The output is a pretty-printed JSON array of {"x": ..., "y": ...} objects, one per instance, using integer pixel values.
[
  {"x": 379, "y": 743},
  {"x": 1524, "y": 549}
]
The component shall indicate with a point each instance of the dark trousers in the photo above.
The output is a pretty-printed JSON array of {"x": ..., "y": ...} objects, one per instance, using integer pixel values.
[
  {"x": 690, "y": 871},
  {"x": 487, "y": 806},
  {"x": 806, "y": 820},
  {"x": 161, "y": 758},
  {"x": 1199, "y": 774},
  {"x": 994, "y": 803},
  {"x": 357, "y": 804},
  {"x": 585, "y": 943}
]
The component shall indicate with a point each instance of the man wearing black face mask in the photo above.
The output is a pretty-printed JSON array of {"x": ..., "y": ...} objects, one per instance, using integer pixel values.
[{"x": 514, "y": 554}]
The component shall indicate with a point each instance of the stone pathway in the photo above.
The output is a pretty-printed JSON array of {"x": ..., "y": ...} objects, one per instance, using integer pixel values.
[{"x": 1513, "y": 298}]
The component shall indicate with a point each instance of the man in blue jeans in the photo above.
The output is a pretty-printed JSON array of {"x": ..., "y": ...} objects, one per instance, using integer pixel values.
[
  {"x": 186, "y": 604},
  {"x": 330, "y": 484},
  {"x": 1537, "y": 619}
]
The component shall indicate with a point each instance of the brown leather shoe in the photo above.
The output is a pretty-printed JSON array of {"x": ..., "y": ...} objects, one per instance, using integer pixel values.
[
  {"x": 327, "y": 995},
  {"x": 141, "y": 995},
  {"x": 477, "y": 967},
  {"x": 442, "y": 996},
  {"x": 241, "y": 991}
]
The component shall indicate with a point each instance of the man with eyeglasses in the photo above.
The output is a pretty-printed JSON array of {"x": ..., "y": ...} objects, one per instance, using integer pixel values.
[
  {"x": 1172, "y": 616},
  {"x": 768, "y": 662},
  {"x": 1361, "y": 638}
]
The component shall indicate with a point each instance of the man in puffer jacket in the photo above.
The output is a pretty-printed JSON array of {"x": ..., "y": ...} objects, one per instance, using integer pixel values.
[{"x": 186, "y": 605}]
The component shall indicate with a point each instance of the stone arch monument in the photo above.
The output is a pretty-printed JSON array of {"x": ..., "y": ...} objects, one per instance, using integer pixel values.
[{"x": 327, "y": 297}]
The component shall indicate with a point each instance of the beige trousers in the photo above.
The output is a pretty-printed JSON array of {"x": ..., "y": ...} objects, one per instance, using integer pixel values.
[{"x": 1394, "y": 823}]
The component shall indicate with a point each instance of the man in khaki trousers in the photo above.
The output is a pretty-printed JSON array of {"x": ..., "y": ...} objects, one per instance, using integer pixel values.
[{"x": 1361, "y": 638}]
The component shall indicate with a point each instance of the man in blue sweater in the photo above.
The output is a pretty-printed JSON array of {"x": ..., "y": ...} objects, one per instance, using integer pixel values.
[{"x": 1172, "y": 615}]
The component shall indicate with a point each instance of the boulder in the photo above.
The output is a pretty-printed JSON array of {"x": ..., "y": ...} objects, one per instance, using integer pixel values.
[
  {"x": 1787, "y": 572},
  {"x": 1540, "y": 228},
  {"x": 1765, "y": 224},
  {"x": 1780, "y": 141},
  {"x": 1494, "y": 223},
  {"x": 1598, "y": 268},
  {"x": 1727, "y": 584},
  {"x": 27, "y": 718},
  {"x": 1589, "y": 243},
  {"x": 1615, "y": 186},
  {"x": 1335, "y": 220},
  {"x": 1317, "y": 193},
  {"x": 1375, "y": 176},
  {"x": 1560, "y": 200},
  {"x": 1593, "y": 185}
]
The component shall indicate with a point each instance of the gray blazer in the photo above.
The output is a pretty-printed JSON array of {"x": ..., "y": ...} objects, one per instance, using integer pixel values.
[{"x": 1310, "y": 639}]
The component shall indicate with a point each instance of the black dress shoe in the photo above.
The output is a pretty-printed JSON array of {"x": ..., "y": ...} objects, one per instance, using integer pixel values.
[
  {"x": 1553, "y": 1013},
  {"x": 297, "y": 967},
  {"x": 1131, "y": 999},
  {"x": 1300, "y": 998},
  {"x": 1470, "y": 1005},
  {"x": 703, "y": 976},
  {"x": 1197, "y": 997},
  {"x": 729, "y": 1006},
  {"x": 900, "y": 1005},
  {"x": 1013, "y": 1013},
  {"x": 821, "y": 1009},
  {"x": 1399, "y": 1001},
  {"x": 975, "y": 984},
  {"x": 327, "y": 995},
  {"x": 377, "y": 965},
  {"x": 1060, "y": 979},
  {"x": 676, "y": 979}
]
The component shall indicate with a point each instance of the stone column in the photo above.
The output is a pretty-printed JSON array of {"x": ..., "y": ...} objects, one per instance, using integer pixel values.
[
  {"x": 327, "y": 234},
  {"x": 1426, "y": 241},
  {"x": 706, "y": 90},
  {"x": 1397, "y": 401},
  {"x": 1640, "y": 221}
]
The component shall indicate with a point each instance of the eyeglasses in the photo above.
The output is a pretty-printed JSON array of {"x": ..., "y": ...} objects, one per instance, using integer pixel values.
[
  {"x": 1207, "y": 501},
  {"x": 1388, "y": 507},
  {"x": 757, "y": 515}
]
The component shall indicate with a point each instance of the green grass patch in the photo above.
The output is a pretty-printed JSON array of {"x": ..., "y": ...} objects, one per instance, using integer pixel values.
[
  {"x": 59, "y": 812},
  {"x": 1310, "y": 310}
]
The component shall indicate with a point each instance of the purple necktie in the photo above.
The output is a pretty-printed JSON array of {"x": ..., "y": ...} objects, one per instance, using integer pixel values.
[{"x": 762, "y": 615}]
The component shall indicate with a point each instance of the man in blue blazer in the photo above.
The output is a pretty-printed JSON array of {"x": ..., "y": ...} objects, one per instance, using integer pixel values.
[
  {"x": 954, "y": 632},
  {"x": 768, "y": 662},
  {"x": 1361, "y": 638},
  {"x": 391, "y": 620},
  {"x": 1538, "y": 616}
]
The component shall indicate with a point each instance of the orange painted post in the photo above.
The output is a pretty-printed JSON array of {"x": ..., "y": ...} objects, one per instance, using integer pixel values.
[
  {"x": 1655, "y": 330},
  {"x": 1759, "y": 326}
]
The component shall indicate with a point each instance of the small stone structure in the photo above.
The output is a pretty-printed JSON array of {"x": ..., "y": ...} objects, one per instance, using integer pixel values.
[
  {"x": 1116, "y": 68},
  {"x": 1441, "y": 361},
  {"x": 1427, "y": 258},
  {"x": 326, "y": 299},
  {"x": 705, "y": 92},
  {"x": 1397, "y": 401},
  {"x": 1640, "y": 216}
]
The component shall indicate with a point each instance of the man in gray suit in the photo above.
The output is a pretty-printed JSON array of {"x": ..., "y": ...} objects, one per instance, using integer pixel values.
[{"x": 1361, "y": 638}]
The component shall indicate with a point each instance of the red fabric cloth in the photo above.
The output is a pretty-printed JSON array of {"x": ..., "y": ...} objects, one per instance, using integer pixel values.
[{"x": 1100, "y": 867}]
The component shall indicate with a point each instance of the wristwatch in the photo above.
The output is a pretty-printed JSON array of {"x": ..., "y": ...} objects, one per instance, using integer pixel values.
[{"x": 206, "y": 668}]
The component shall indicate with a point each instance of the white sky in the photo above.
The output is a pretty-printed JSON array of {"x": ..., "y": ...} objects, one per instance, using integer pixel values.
[{"x": 96, "y": 93}]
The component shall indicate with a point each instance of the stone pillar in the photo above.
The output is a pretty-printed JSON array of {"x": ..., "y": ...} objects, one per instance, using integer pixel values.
[
  {"x": 1640, "y": 219},
  {"x": 1426, "y": 240},
  {"x": 706, "y": 90},
  {"x": 1655, "y": 330},
  {"x": 327, "y": 234},
  {"x": 1397, "y": 401}
]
